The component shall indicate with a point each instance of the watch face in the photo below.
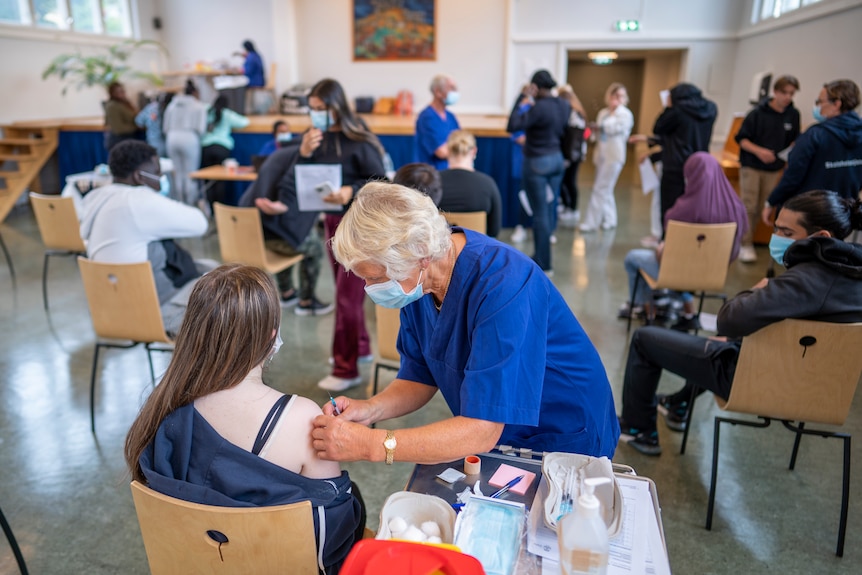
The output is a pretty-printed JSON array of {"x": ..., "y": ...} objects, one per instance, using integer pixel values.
[{"x": 389, "y": 443}]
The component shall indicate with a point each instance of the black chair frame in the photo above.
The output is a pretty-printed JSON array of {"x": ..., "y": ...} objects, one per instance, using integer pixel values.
[{"x": 13, "y": 543}]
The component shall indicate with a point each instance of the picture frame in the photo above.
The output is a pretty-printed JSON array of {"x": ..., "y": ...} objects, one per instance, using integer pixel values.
[{"x": 394, "y": 30}]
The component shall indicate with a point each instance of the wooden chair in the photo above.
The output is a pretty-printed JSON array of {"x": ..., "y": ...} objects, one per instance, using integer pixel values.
[
  {"x": 13, "y": 543},
  {"x": 388, "y": 325},
  {"x": 123, "y": 306},
  {"x": 476, "y": 221},
  {"x": 240, "y": 238},
  {"x": 58, "y": 226},
  {"x": 695, "y": 259},
  {"x": 183, "y": 537},
  {"x": 796, "y": 371}
]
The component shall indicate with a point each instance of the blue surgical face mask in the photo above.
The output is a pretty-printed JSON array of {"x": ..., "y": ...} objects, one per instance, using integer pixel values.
[
  {"x": 164, "y": 182},
  {"x": 777, "y": 246},
  {"x": 815, "y": 111},
  {"x": 321, "y": 119},
  {"x": 452, "y": 97},
  {"x": 284, "y": 137},
  {"x": 390, "y": 293}
]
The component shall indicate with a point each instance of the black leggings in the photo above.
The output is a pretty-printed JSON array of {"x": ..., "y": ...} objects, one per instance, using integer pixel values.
[
  {"x": 214, "y": 155},
  {"x": 569, "y": 186}
]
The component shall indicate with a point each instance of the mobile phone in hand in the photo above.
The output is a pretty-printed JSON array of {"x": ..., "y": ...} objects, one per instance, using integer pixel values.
[{"x": 324, "y": 189}]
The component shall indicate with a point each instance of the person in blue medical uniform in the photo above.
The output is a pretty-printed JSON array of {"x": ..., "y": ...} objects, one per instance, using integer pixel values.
[
  {"x": 482, "y": 324},
  {"x": 435, "y": 123}
]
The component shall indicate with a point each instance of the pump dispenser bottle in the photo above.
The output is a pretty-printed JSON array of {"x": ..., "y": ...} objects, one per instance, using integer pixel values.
[{"x": 583, "y": 535}]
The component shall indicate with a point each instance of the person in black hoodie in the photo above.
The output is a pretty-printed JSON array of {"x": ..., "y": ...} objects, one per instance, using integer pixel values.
[
  {"x": 544, "y": 125},
  {"x": 767, "y": 130},
  {"x": 683, "y": 128},
  {"x": 823, "y": 282},
  {"x": 194, "y": 438},
  {"x": 829, "y": 154}
]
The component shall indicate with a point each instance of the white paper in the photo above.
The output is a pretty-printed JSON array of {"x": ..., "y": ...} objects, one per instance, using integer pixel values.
[
  {"x": 649, "y": 179},
  {"x": 785, "y": 153},
  {"x": 308, "y": 178},
  {"x": 708, "y": 321},
  {"x": 664, "y": 96}
]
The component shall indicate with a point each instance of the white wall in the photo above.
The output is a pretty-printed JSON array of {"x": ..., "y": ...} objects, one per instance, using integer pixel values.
[
  {"x": 816, "y": 51},
  {"x": 26, "y": 52},
  {"x": 470, "y": 48}
]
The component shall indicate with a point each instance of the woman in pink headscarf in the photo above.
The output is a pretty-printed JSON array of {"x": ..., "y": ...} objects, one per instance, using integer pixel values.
[{"x": 708, "y": 199}]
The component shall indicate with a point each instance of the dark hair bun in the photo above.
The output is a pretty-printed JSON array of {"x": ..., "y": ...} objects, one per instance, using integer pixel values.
[{"x": 855, "y": 207}]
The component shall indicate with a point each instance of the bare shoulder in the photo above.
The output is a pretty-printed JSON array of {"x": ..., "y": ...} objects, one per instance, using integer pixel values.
[{"x": 304, "y": 409}]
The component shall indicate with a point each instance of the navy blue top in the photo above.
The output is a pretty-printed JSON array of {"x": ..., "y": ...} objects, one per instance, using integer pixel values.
[
  {"x": 431, "y": 133},
  {"x": 544, "y": 123},
  {"x": 253, "y": 68},
  {"x": 506, "y": 348}
]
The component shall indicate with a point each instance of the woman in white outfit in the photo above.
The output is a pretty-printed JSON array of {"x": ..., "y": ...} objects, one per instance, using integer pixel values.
[
  {"x": 613, "y": 126},
  {"x": 184, "y": 123}
]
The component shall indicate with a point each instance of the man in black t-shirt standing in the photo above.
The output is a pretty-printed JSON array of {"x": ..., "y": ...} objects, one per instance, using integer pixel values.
[{"x": 767, "y": 130}]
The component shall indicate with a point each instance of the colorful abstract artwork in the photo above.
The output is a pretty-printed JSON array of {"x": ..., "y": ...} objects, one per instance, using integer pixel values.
[{"x": 385, "y": 30}]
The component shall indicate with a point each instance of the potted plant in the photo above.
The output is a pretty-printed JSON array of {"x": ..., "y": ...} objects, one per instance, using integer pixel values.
[{"x": 101, "y": 69}]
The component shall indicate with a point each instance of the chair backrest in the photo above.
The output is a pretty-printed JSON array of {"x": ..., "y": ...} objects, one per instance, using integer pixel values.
[
  {"x": 123, "y": 301},
  {"x": 388, "y": 325},
  {"x": 240, "y": 235},
  {"x": 476, "y": 221},
  {"x": 178, "y": 536},
  {"x": 58, "y": 222},
  {"x": 270, "y": 78},
  {"x": 696, "y": 256},
  {"x": 798, "y": 370}
]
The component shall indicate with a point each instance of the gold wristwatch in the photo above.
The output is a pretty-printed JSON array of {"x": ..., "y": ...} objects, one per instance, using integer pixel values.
[{"x": 389, "y": 444}]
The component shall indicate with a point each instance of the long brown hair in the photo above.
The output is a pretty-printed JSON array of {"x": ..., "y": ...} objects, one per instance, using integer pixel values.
[
  {"x": 569, "y": 94},
  {"x": 332, "y": 94},
  {"x": 227, "y": 331}
]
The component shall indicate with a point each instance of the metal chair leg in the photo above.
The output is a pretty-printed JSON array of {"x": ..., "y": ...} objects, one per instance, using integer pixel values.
[
  {"x": 45, "y": 281},
  {"x": 711, "y": 506},
  {"x": 796, "y": 441},
  {"x": 632, "y": 301},
  {"x": 691, "y": 400},
  {"x": 7, "y": 529},
  {"x": 150, "y": 360},
  {"x": 93, "y": 389},
  {"x": 845, "y": 498},
  {"x": 9, "y": 261}
]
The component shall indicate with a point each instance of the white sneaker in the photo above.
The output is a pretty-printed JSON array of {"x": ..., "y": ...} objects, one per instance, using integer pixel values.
[
  {"x": 586, "y": 229},
  {"x": 332, "y": 383},
  {"x": 362, "y": 359},
  {"x": 553, "y": 239},
  {"x": 519, "y": 235},
  {"x": 747, "y": 255}
]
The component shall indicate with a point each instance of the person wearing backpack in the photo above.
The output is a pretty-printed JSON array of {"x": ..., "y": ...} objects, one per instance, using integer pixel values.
[
  {"x": 574, "y": 150},
  {"x": 613, "y": 126}
]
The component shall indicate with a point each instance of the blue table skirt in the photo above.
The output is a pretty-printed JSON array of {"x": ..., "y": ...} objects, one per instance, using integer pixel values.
[{"x": 500, "y": 158}]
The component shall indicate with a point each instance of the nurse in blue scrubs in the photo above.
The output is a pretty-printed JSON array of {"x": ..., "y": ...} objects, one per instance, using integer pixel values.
[{"x": 480, "y": 323}]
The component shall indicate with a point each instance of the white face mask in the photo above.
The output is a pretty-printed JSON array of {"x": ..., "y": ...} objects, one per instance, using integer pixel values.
[{"x": 278, "y": 343}]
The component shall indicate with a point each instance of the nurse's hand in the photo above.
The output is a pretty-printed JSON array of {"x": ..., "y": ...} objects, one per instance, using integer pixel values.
[
  {"x": 349, "y": 409},
  {"x": 336, "y": 439},
  {"x": 341, "y": 196}
]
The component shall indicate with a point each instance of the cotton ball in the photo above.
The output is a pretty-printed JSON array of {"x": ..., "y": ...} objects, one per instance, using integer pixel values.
[
  {"x": 413, "y": 533},
  {"x": 435, "y": 539},
  {"x": 431, "y": 529},
  {"x": 397, "y": 525}
]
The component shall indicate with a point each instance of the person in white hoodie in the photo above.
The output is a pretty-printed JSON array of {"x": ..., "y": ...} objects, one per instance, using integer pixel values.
[
  {"x": 129, "y": 221},
  {"x": 185, "y": 121},
  {"x": 613, "y": 126}
]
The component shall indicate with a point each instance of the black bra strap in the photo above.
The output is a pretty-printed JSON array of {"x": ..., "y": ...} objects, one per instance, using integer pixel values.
[{"x": 269, "y": 423}]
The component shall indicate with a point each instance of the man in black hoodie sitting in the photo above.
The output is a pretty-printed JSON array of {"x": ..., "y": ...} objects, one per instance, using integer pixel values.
[{"x": 683, "y": 128}]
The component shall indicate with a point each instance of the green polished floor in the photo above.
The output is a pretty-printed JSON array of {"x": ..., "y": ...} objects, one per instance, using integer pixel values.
[{"x": 66, "y": 492}]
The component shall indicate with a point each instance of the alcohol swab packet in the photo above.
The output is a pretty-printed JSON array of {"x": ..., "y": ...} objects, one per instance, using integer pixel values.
[{"x": 451, "y": 475}]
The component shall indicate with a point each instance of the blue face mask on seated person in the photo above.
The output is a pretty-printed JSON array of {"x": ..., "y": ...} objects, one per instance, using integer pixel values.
[
  {"x": 284, "y": 137},
  {"x": 390, "y": 293},
  {"x": 321, "y": 119},
  {"x": 164, "y": 182},
  {"x": 777, "y": 246}
]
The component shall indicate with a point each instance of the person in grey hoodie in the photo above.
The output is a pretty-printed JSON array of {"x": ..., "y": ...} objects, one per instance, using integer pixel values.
[
  {"x": 828, "y": 156},
  {"x": 185, "y": 121}
]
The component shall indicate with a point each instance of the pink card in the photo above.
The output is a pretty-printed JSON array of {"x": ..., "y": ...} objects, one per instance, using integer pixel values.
[{"x": 506, "y": 473}]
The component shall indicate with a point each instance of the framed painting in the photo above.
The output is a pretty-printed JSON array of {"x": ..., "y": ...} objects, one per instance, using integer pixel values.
[{"x": 387, "y": 30}]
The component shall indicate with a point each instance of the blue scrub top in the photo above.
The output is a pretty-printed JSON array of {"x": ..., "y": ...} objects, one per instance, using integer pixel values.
[
  {"x": 505, "y": 347},
  {"x": 431, "y": 133},
  {"x": 253, "y": 68}
]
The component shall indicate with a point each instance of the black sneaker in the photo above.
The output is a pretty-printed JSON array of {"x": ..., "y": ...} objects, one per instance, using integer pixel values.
[
  {"x": 686, "y": 324},
  {"x": 675, "y": 414},
  {"x": 642, "y": 440},
  {"x": 290, "y": 300},
  {"x": 314, "y": 308}
]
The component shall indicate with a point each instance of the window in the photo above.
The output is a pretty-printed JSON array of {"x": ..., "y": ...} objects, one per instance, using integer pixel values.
[
  {"x": 766, "y": 9},
  {"x": 110, "y": 17}
]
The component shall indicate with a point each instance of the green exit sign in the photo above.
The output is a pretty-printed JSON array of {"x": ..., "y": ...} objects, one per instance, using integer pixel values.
[{"x": 627, "y": 25}]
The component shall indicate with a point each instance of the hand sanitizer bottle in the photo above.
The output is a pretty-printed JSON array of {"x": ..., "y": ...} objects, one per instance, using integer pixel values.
[{"x": 583, "y": 535}]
